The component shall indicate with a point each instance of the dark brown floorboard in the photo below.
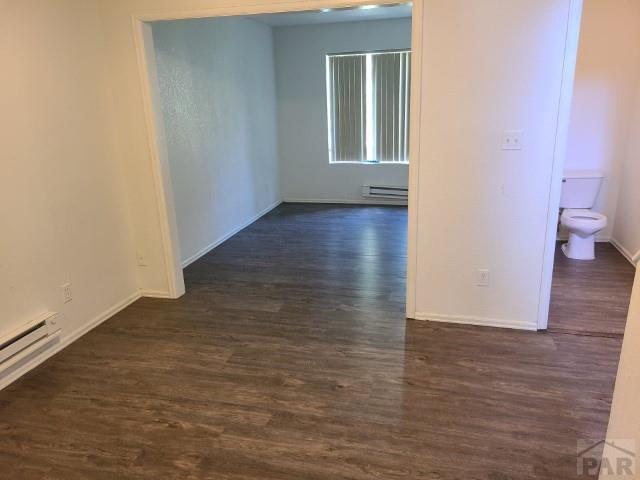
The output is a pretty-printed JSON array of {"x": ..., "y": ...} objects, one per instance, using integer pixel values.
[
  {"x": 289, "y": 358},
  {"x": 591, "y": 297}
]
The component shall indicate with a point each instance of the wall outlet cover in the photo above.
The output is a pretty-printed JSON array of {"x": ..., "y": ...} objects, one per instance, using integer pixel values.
[
  {"x": 482, "y": 277},
  {"x": 67, "y": 293},
  {"x": 142, "y": 262},
  {"x": 512, "y": 140}
]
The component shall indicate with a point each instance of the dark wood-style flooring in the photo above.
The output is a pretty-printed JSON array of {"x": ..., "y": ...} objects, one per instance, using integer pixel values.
[
  {"x": 289, "y": 358},
  {"x": 592, "y": 297}
]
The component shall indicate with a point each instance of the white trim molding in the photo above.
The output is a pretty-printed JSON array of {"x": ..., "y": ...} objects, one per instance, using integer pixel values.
[
  {"x": 572, "y": 37},
  {"x": 345, "y": 201},
  {"x": 415, "y": 138},
  {"x": 145, "y": 292},
  {"x": 273, "y": 6},
  {"x": 51, "y": 349},
  {"x": 165, "y": 202},
  {"x": 203, "y": 251},
  {"x": 479, "y": 321},
  {"x": 633, "y": 259}
]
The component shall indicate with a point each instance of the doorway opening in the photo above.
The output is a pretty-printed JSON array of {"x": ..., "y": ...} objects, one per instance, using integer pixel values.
[
  {"x": 597, "y": 240},
  {"x": 263, "y": 117}
]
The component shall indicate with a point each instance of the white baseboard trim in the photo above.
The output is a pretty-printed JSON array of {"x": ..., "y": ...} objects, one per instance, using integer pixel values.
[
  {"x": 633, "y": 259},
  {"x": 364, "y": 201},
  {"x": 47, "y": 353},
  {"x": 479, "y": 321},
  {"x": 203, "y": 251},
  {"x": 155, "y": 293}
]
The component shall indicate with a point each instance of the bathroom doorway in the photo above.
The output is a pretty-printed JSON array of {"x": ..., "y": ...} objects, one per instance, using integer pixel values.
[
  {"x": 592, "y": 279},
  {"x": 598, "y": 238}
]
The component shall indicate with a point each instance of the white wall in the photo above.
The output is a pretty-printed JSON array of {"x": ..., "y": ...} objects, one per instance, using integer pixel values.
[
  {"x": 480, "y": 207},
  {"x": 606, "y": 77},
  {"x": 624, "y": 420},
  {"x": 302, "y": 108},
  {"x": 626, "y": 233},
  {"x": 217, "y": 84},
  {"x": 63, "y": 209}
]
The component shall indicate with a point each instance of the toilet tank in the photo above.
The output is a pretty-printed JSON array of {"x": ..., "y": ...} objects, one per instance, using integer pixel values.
[{"x": 580, "y": 188}]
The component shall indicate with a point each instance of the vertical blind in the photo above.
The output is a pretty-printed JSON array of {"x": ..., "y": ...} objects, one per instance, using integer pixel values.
[
  {"x": 348, "y": 107},
  {"x": 368, "y": 107}
]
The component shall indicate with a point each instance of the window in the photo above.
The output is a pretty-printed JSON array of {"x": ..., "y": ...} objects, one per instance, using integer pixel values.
[{"x": 368, "y": 107}]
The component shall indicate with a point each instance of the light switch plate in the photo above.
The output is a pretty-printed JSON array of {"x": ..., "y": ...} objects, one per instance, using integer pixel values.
[{"x": 512, "y": 140}]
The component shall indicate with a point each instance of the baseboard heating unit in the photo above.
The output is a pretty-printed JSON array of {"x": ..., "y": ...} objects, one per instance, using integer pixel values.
[
  {"x": 28, "y": 338},
  {"x": 385, "y": 191}
]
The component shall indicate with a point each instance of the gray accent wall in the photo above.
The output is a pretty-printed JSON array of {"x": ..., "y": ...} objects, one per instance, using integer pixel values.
[
  {"x": 300, "y": 53},
  {"x": 217, "y": 83}
]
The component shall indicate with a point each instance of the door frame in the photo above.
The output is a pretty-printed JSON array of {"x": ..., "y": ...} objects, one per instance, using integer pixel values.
[
  {"x": 143, "y": 39},
  {"x": 559, "y": 153}
]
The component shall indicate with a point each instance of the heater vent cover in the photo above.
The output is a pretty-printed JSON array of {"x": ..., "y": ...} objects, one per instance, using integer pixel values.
[
  {"x": 18, "y": 343},
  {"x": 385, "y": 191}
]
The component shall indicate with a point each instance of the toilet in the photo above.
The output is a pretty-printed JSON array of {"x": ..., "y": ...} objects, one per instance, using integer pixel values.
[{"x": 580, "y": 190}]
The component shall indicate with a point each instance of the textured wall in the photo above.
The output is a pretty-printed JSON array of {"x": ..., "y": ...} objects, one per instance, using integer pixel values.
[{"x": 217, "y": 85}]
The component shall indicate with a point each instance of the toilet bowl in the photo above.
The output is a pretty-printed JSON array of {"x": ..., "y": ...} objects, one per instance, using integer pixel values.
[{"x": 582, "y": 225}]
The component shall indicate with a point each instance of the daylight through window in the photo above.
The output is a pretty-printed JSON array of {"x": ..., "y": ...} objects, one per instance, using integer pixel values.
[{"x": 368, "y": 107}]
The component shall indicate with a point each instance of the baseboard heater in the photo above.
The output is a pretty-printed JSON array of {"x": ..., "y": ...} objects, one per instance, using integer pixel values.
[
  {"x": 385, "y": 191},
  {"x": 19, "y": 343}
]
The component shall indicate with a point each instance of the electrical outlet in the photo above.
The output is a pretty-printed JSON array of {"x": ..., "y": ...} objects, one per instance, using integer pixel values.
[
  {"x": 142, "y": 262},
  {"x": 512, "y": 140},
  {"x": 67, "y": 294},
  {"x": 482, "y": 277}
]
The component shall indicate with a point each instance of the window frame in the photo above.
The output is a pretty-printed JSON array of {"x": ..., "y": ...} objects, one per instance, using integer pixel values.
[{"x": 369, "y": 93}]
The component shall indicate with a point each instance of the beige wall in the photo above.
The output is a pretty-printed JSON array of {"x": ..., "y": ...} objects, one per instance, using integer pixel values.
[
  {"x": 624, "y": 422},
  {"x": 481, "y": 207},
  {"x": 607, "y": 74},
  {"x": 626, "y": 232},
  {"x": 63, "y": 209}
]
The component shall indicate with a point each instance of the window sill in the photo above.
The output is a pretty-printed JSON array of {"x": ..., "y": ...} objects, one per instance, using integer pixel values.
[{"x": 355, "y": 162}]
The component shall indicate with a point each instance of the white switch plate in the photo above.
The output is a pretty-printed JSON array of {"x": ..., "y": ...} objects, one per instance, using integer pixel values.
[
  {"x": 512, "y": 140},
  {"x": 67, "y": 293},
  {"x": 482, "y": 277}
]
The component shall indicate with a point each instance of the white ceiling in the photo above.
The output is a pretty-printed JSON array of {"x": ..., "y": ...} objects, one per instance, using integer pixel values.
[{"x": 335, "y": 16}]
